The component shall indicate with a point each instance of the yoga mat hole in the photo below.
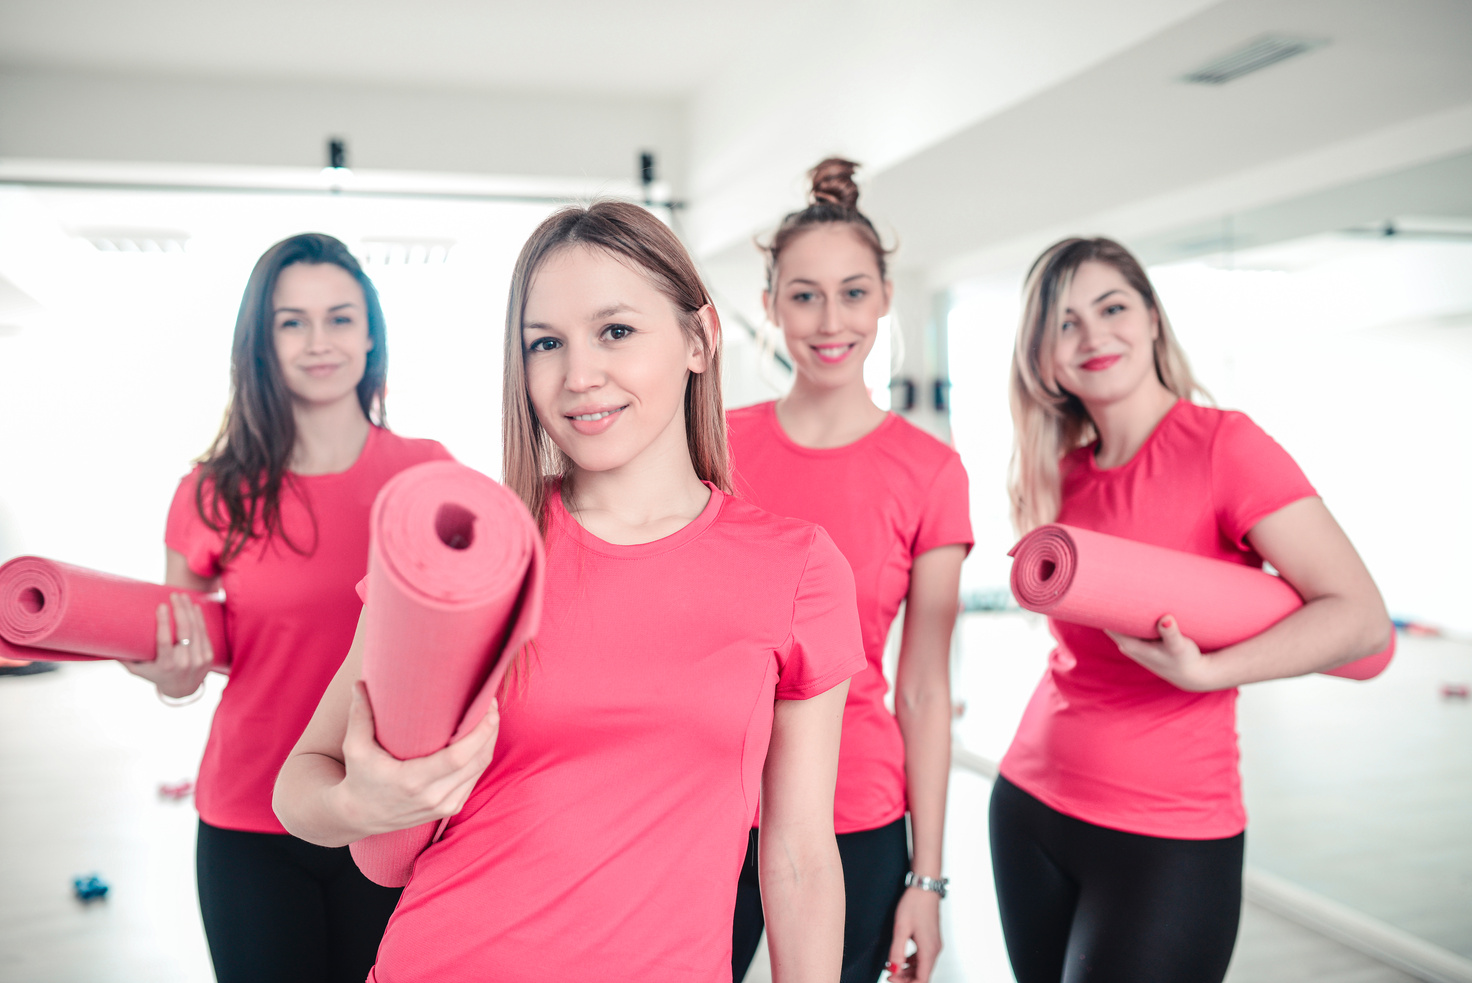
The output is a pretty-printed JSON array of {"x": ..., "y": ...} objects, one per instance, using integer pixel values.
[
  {"x": 455, "y": 525},
  {"x": 32, "y": 600},
  {"x": 1046, "y": 569}
]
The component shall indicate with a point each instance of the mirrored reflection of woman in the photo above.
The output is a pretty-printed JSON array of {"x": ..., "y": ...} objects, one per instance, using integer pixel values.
[
  {"x": 276, "y": 514},
  {"x": 894, "y": 499},
  {"x": 694, "y": 652},
  {"x": 1117, "y": 822}
]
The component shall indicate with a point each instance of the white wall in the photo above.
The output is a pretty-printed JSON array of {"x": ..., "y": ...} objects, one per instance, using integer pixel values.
[{"x": 69, "y": 115}]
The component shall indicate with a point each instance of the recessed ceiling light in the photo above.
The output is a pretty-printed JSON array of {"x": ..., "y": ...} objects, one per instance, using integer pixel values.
[{"x": 1253, "y": 56}]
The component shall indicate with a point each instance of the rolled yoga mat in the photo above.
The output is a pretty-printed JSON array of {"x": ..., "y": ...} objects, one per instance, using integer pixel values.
[
  {"x": 55, "y": 612},
  {"x": 455, "y": 573},
  {"x": 1102, "y": 581}
]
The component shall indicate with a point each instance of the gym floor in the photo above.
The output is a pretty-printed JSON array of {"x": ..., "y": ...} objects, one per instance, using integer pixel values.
[{"x": 1361, "y": 792}]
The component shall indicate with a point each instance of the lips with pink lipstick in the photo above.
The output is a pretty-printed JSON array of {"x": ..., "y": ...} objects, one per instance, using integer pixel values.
[
  {"x": 1100, "y": 362},
  {"x": 592, "y": 420},
  {"x": 323, "y": 370},
  {"x": 833, "y": 354}
]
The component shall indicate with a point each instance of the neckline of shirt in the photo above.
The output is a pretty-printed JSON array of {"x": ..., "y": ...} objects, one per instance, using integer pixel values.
[
  {"x": 786, "y": 441},
  {"x": 1139, "y": 454},
  {"x": 689, "y": 531},
  {"x": 373, "y": 430}
]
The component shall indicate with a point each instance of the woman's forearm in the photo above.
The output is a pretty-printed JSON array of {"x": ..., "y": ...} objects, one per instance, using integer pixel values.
[
  {"x": 924, "y": 714},
  {"x": 307, "y": 800},
  {"x": 803, "y": 903},
  {"x": 1325, "y": 633}
]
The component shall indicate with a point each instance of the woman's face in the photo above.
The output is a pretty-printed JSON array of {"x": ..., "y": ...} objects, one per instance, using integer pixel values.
[
  {"x": 607, "y": 361},
  {"x": 827, "y": 297},
  {"x": 1105, "y": 346},
  {"x": 320, "y": 327}
]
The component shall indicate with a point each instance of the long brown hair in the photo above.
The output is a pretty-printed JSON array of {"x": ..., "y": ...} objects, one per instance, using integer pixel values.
[
  {"x": 630, "y": 233},
  {"x": 833, "y": 198},
  {"x": 245, "y": 468},
  {"x": 1048, "y": 421}
]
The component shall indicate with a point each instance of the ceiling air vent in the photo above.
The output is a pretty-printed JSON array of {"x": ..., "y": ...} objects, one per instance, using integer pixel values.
[
  {"x": 128, "y": 240},
  {"x": 400, "y": 251},
  {"x": 1251, "y": 57}
]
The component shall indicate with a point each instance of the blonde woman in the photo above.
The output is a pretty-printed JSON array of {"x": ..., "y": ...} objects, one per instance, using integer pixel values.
[
  {"x": 694, "y": 651},
  {"x": 1117, "y": 822}
]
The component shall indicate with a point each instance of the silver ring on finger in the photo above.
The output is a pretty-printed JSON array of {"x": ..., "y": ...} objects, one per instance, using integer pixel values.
[{"x": 184, "y": 642}]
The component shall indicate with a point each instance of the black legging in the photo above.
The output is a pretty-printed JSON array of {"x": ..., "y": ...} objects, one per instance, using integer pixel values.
[
  {"x": 278, "y": 908},
  {"x": 875, "y": 863},
  {"x": 1081, "y": 902}
]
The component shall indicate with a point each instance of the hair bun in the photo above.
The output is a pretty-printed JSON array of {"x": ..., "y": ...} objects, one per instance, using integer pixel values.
[{"x": 833, "y": 184}]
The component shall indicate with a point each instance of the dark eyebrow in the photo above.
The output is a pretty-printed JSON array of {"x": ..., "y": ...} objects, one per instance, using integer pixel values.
[
  {"x": 814, "y": 283},
  {"x": 298, "y": 310},
  {"x": 1106, "y": 293}
]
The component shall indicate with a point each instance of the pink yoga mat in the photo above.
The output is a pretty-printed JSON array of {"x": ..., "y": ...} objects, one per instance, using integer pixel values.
[
  {"x": 56, "y": 612},
  {"x": 1102, "y": 581},
  {"x": 455, "y": 572}
]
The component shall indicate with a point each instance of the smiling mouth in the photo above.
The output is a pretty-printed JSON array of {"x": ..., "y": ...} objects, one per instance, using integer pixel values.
[
  {"x": 1100, "y": 362},
  {"x": 590, "y": 417},
  {"x": 833, "y": 352}
]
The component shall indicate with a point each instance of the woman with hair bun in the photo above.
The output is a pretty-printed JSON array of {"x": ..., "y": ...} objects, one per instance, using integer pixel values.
[
  {"x": 1117, "y": 822},
  {"x": 694, "y": 651},
  {"x": 894, "y": 499},
  {"x": 276, "y": 514}
]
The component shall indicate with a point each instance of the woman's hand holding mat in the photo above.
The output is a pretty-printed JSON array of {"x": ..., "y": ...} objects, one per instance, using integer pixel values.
[
  {"x": 382, "y": 794},
  {"x": 179, "y": 666},
  {"x": 454, "y": 591},
  {"x": 1128, "y": 588}
]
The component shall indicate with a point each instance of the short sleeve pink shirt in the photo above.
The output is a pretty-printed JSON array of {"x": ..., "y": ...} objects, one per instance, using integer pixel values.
[
  {"x": 290, "y": 617},
  {"x": 886, "y": 498},
  {"x": 1104, "y": 739},
  {"x": 605, "y": 839}
]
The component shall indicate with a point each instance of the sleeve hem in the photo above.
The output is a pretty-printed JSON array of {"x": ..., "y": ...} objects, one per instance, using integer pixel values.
[{"x": 825, "y": 682}]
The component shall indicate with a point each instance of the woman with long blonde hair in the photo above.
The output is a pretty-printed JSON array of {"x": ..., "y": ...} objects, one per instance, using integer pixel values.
[
  {"x": 1117, "y": 820},
  {"x": 694, "y": 654}
]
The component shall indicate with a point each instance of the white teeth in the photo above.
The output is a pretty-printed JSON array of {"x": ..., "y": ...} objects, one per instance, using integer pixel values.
[
  {"x": 595, "y": 416},
  {"x": 833, "y": 352}
]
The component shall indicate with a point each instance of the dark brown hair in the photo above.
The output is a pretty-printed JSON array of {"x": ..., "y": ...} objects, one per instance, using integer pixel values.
[
  {"x": 833, "y": 198},
  {"x": 632, "y": 235},
  {"x": 246, "y": 467}
]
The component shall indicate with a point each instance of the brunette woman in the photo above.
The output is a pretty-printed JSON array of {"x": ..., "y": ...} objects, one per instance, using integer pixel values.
[
  {"x": 276, "y": 514},
  {"x": 1117, "y": 822},
  {"x": 894, "y": 500},
  {"x": 694, "y": 652}
]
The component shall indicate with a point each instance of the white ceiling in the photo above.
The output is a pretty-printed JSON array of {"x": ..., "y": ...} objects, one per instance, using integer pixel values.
[
  {"x": 1130, "y": 129},
  {"x": 660, "y": 48}
]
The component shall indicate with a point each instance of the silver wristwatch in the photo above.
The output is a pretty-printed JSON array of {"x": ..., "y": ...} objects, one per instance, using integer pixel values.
[{"x": 936, "y": 884}]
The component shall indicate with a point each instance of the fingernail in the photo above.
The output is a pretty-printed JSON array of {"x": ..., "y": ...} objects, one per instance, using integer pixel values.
[{"x": 1168, "y": 621}]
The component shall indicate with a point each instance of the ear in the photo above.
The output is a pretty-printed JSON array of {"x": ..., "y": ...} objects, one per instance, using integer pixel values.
[
  {"x": 888, "y": 297},
  {"x": 767, "y": 306},
  {"x": 710, "y": 327},
  {"x": 1154, "y": 324}
]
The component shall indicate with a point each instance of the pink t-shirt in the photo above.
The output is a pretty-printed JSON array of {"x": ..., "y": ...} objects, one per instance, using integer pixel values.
[
  {"x": 1104, "y": 739},
  {"x": 885, "y": 499},
  {"x": 290, "y": 617},
  {"x": 605, "y": 839}
]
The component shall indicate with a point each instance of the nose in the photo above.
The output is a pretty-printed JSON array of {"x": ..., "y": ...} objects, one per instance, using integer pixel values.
[
  {"x": 585, "y": 371},
  {"x": 1090, "y": 334},
  {"x": 317, "y": 337},
  {"x": 831, "y": 324}
]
